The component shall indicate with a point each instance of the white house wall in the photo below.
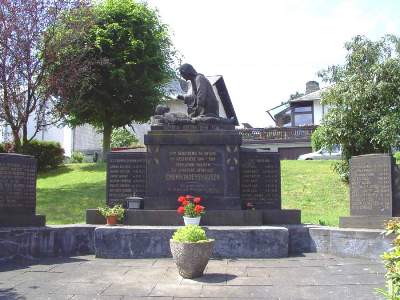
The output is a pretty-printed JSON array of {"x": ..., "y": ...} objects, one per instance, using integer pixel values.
[{"x": 318, "y": 112}]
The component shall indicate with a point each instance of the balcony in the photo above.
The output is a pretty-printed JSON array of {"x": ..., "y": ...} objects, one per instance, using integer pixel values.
[{"x": 278, "y": 134}]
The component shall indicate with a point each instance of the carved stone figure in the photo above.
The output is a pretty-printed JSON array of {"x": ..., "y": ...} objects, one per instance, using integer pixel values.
[{"x": 201, "y": 101}]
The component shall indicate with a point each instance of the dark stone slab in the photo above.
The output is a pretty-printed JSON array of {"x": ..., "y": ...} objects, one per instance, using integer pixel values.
[
  {"x": 260, "y": 178},
  {"x": 172, "y": 218},
  {"x": 153, "y": 242},
  {"x": 34, "y": 242},
  {"x": 371, "y": 192},
  {"x": 365, "y": 221},
  {"x": 202, "y": 164},
  {"x": 281, "y": 216},
  {"x": 18, "y": 191},
  {"x": 126, "y": 175},
  {"x": 17, "y": 183}
]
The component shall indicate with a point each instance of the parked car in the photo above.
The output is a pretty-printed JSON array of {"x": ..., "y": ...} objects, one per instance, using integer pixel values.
[{"x": 336, "y": 153}]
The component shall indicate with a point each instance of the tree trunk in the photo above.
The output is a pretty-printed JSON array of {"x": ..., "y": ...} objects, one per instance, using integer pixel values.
[
  {"x": 107, "y": 130},
  {"x": 17, "y": 140},
  {"x": 24, "y": 134}
]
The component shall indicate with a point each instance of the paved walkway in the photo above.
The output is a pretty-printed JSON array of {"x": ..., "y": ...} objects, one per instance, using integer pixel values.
[{"x": 312, "y": 276}]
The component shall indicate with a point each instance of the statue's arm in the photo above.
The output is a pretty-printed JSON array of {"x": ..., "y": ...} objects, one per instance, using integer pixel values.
[{"x": 201, "y": 83}]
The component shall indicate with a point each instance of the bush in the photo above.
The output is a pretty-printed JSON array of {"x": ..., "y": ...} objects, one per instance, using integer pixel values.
[
  {"x": 397, "y": 157},
  {"x": 121, "y": 137},
  {"x": 2, "y": 148},
  {"x": 49, "y": 155},
  {"x": 392, "y": 263},
  {"x": 77, "y": 158},
  {"x": 190, "y": 234},
  {"x": 116, "y": 210},
  {"x": 342, "y": 168}
]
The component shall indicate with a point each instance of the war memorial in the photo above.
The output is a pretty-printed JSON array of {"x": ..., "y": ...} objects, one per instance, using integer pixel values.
[{"x": 201, "y": 153}]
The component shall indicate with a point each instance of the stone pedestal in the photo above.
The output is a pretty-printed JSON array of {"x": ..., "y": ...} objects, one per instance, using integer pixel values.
[
  {"x": 374, "y": 191},
  {"x": 18, "y": 191},
  {"x": 197, "y": 161}
]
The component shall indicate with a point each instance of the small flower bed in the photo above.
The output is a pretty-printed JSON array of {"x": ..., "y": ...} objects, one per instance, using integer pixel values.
[
  {"x": 190, "y": 206},
  {"x": 392, "y": 263}
]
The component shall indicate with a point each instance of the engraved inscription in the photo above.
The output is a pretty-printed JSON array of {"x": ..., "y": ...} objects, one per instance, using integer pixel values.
[
  {"x": 370, "y": 185},
  {"x": 260, "y": 180},
  {"x": 17, "y": 183},
  {"x": 126, "y": 176},
  {"x": 197, "y": 171}
]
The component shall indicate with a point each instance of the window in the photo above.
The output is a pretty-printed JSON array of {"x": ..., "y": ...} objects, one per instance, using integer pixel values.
[
  {"x": 302, "y": 109},
  {"x": 303, "y": 119}
]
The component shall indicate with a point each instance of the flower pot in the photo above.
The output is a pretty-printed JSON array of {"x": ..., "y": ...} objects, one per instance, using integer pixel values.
[
  {"x": 191, "y": 258},
  {"x": 191, "y": 221},
  {"x": 112, "y": 220},
  {"x": 134, "y": 202}
]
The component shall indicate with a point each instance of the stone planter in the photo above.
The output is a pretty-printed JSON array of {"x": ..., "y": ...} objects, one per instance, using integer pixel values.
[
  {"x": 191, "y": 258},
  {"x": 191, "y": 221}
]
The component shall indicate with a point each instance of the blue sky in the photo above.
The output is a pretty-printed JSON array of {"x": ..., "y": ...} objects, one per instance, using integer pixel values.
[{"x": 267, "y": 50}]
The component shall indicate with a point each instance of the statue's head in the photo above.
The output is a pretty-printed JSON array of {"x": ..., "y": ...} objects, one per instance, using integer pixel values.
[{"x": 187, "y": 71}]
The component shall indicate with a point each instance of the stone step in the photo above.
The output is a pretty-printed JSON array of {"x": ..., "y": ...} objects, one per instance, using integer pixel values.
[{"x": 152, "y": 241}]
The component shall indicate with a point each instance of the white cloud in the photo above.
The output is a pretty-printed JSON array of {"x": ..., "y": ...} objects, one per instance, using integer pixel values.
[{"x": 267, "y": 50}]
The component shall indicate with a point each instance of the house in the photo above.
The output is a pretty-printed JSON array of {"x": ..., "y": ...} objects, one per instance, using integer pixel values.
[
  {"x": 295, "y": 121},
  {"x": 88, "y": 140}
]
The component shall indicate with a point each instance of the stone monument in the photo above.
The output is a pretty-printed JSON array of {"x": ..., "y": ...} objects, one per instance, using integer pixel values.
[
  {"x": 18, "y": 191},
  {"x": 374, "y": 191},
  {"x": 198, "y": 153}
]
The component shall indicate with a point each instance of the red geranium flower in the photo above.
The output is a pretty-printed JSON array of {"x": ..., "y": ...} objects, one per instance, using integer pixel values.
[
  {"x": 189, "y": 197},
  {"x": 185, "y": 202},
  {"x": 181, "y": 210},
  {"x": 197, "y": 200},
  {"x": 181, "y": 199},
  {"x": 198, "y": 209}
]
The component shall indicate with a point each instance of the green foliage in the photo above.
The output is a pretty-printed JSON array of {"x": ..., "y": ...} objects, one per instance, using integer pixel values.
[
  {"x": 109, "y": 64},
  {"x": 116, "y": 210},
  {"x": 77, "y": 157},
  {"x": 2, "y": 148},
  {"x": 317, "y": 139},
  {"x": 392, "y": 263},
  {"x": 122, "y": 137},
  {"x": 397, "y": 157},
  {"x": 190, "y": 234},
  {"x": 49, "y": 155},
  {"x": 363, "y": 99},
  {"x": 342, "y": 168}
]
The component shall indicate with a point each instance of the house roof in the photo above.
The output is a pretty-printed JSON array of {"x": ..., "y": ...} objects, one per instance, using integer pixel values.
[{"x": 308, "y": 97}]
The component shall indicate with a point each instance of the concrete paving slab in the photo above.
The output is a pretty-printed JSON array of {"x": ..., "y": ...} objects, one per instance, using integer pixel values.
[{"x": 315, "y": 276}]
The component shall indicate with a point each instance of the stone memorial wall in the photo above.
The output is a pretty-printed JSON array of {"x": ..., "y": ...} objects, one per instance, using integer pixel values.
[
  {"x": 260, "y": 179},
  {"x": 126, "y": 176},
  {"x": 18, "y": 191},
  {"x": 371, "y": 185},
  {"x": 374, "y": 191},
  {"x": 17, "y": 183}
]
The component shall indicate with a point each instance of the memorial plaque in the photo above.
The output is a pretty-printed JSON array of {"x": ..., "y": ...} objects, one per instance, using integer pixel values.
[
  {"x": 126, "y": 175},
  {"x": 371, "y": 185},
  {"x": 18, "y": 191},
  {"x": 260, "y": 179},
  {"x": 17, "y": 183},
  {"x": 200, "y": 164}
]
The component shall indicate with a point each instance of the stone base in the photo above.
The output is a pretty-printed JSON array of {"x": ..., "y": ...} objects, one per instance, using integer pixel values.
[
  {"x": 22, "y": 220},
  {"x": 231, "y": 242},
  {"x": 211, "y": 218},
  {"x": 372, "y": 222}
]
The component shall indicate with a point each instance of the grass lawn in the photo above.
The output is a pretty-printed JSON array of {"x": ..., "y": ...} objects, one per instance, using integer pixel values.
[
  {"x": 63, "y": 195},
  {"x": 314, "y": 188}
]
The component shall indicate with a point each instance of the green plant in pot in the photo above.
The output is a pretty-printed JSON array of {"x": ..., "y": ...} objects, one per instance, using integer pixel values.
[
  {"x": 191, "y": 250},
  {"x": 112, "y": 214}
]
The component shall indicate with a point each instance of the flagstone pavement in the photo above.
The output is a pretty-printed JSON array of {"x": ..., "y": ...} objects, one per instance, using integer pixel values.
[{"x": 307, "y": 276}]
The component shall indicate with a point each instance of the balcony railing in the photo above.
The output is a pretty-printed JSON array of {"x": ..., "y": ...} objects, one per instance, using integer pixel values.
[{"x": 279, "y": 134}]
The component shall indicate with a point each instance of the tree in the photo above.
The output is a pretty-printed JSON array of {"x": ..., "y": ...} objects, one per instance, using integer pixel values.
[
  {"x": 112, "y": 72},
  {"x": 22, "y": 40},
  {"x": 364, "y": 99}
]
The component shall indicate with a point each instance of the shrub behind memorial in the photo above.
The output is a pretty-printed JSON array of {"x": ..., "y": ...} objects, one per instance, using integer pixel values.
[{"x": 50, "y": 155}]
